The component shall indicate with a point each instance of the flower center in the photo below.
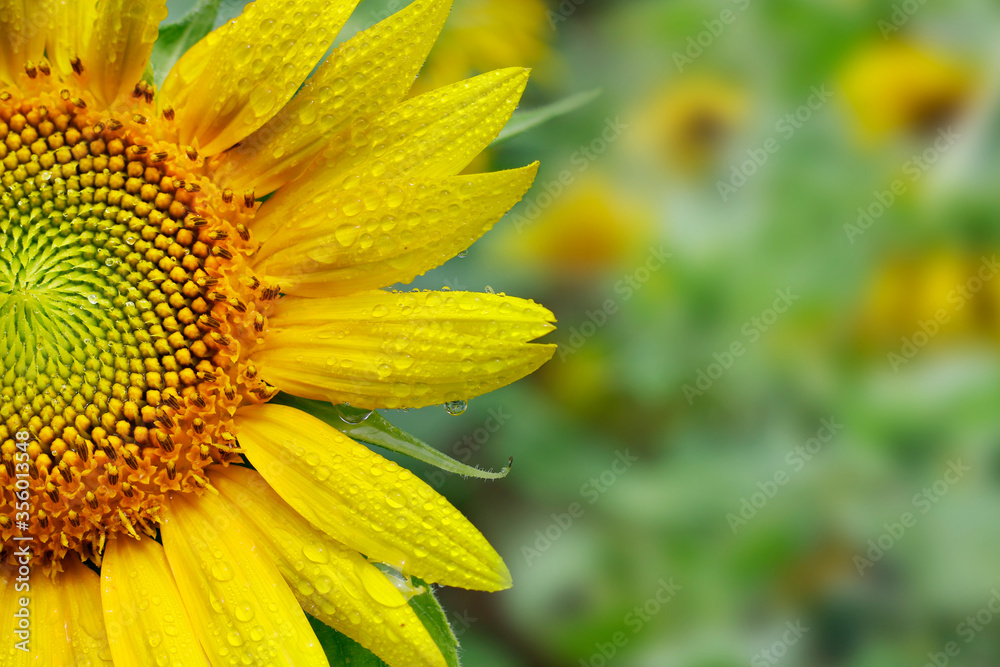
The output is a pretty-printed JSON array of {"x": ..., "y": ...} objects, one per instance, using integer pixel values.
[{"x": 126, "y": 310}]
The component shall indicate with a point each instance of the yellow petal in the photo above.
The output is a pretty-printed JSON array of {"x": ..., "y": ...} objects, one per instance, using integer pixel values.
[
  {"x": 238, "y": 603},
  {"x": 386, "y": 232},
  {"x": 118, "y": 50},
  {"x": 238, "y": 77},
  {"x": 394, "y": 350},
  {"x": 432, "y": 135},
  {"x": 72, "y": 24},
  {"x": 366, "y": 502},
  {"x": 333, "y": 583},
  {"x": 24, "y": 26},
  {"x": 143, "y": 612},
  {"x": 369, "y": 72},
  {"x": 66, "y": 626}
]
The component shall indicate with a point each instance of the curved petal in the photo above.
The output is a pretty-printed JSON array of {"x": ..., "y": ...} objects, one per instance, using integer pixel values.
[
  {"x": 118, "y": 49},
  {"x": 72, "y": 25},
  {"x": 143, "y": 612},
  {"x": 371, "y": 71},
  {"x": 432, "y": 135},
  {"x": 395, "y": 350},
  {"x": 238, "y": 603},
  {"x": 368, "y": 503},
  {"x": 24, "y": 26},
  {"x": 238, "y": 77},
  {"x": 386, "y": 232},
  {"x": 335, "y": 584},
  {"x": 65, "y": 623}
]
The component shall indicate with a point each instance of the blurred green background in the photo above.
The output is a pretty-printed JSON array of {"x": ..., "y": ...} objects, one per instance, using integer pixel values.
[{"x": 771, "y": 433}]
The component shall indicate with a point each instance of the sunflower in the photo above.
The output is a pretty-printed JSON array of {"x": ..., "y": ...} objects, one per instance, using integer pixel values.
[
  {"x": 899, "y": 87},
  {"x": 174, "y": 258},
  {"x": 688, "y": 124},
  {"x": 484, "y": 34},
  {"x": 947, "y": 290}
]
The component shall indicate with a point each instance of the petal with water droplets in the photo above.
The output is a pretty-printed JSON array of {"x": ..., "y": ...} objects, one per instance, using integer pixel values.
[
  {"x": 23, "y": 29},
  {"x": 432, "y": 135},
  {"x": 385, "y": 232},
  {"x": 397, "y": 350},
  {"x": 119, "y": 46},
  {"x": 335, "y": 584},
  {"x": 143, "y": 612},
  {"x": 241, "y": 608},
  {"x": 366, "y": 502},
  {"x": 363, "y": 76},
  {"x": 65, "y": 619},
  {"x": 239, "y": 76}
]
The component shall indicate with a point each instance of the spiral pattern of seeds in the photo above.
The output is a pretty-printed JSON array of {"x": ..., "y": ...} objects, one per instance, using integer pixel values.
[{"x": 126, "y": 316}]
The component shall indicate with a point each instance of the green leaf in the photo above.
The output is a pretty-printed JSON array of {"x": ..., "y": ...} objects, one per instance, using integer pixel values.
[
  {"x": 229, "y": 10},
  {"x": 176, "y": 38},
  {"x": 432, "y": 615},
  {"x": 522, "y": 121},
  {"x": 342, "y": 650},
  {"x": 373, "y": 429}
]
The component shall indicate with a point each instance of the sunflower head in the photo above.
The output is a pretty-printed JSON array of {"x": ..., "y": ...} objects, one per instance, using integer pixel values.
[
  {"x": 151, "y": 307},
  {"x": 899, "y": 87},
  {"x": 947, "y": 291},
  {"x": 689, "y": 124}
]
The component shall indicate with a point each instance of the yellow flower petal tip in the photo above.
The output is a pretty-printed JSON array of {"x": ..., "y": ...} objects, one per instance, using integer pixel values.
[
  {"x": 393, "y": 350},
  {"x": 402, "y": 522},
  {"x": 332, "y": 582}
]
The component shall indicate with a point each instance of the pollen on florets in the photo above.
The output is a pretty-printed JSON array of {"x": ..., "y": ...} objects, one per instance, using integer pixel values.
[{"x": 126, "y": 310}]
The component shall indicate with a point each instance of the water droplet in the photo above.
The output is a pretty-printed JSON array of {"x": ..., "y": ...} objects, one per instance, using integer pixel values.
[
  {"x": 463, "y": 254},
  {"x": 243, "y": 612},
  {"x": 456, "y": 408},
  {"x": 352, "y": 415},
  {"x": 316, "y": 553},
  {"x": 222, "y": 571}
]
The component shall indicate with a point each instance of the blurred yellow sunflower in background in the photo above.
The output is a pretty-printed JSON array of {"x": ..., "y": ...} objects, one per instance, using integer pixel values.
[
  {"x": 485, "y": 34},
  {"x": 151, "y": 307},
  {"x": 690, "y": 122},
  {"x": 589, "y": 229},
  {"x": 901, "y": 87},
  {"x": 948, "y": 292}
]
